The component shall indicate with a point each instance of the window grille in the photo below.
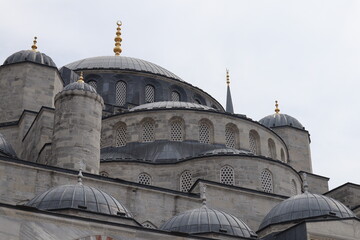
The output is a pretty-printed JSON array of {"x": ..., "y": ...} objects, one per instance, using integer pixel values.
[
  {"x": 204, "y": 133},
  {"x": 227, "y": 175},
  {"x": 229, "y": 137},
  {"x": 148, "y": 129},
  {"x": 120, "y": 93},
  {"x": 144, "y": 178},
  {"x": 283, "y": 155},
  {"x": 175, "y": 96},
  {"x": 176, "y": 131},
  {"x": 93, "y": 84},
  {"x": 185, "y": 181},
  {"x": 120, "y": 136},
  {"x": 149, "y": 94},
  {"x": 293, "y": 188},
  {"x": 272, "y": 148},
  {"x": 253, "y": 143},
  {"x": 266, "y": 181}
]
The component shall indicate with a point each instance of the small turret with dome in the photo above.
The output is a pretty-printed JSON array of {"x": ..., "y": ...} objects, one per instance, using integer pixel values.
[
  {"x": 294, "y": 135},
  {"x": 32, "y": 55}
]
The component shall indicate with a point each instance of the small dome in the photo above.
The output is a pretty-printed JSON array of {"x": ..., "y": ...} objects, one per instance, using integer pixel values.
[
  {"x": 279, "y": 119},
  {"x": 79, "y": 86},
  {"x": 78, "y": 196},
  {"x": 6, "y": 148},
  {"x": 30, "y": 56},
  {"x": 172, "y": 104},
  {"x": 206, "y": 220},
  {"x": 304, "y": 206}
]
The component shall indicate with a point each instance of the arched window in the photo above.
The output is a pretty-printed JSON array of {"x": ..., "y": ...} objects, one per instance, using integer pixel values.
[
  {"x": 120, "y": 135},
  {"x": 175, "y": 96},
  {"x": 205, "y": 131},
  {"x": 293, "y": 188},
  {"x": 144, "y": 178},
  {"x": 176, "y": 130},
  {"x": 120, "y": 93},
  {"x": 254, "y": 142},
  {"x": 185, "y": 181},
  {"x": 266, "y": 181},
  {"x": 282, "y": 153},
  {"x": 104, "y": 174},
  {"x": 227, "y": 175},
  {"x": 230, "y": 136},
  {"x": 93, "y": 84},
  {"x": 148, "y": 131},
  {"x": 272, "y": 148},
  {"x": 149, "y": 94}
]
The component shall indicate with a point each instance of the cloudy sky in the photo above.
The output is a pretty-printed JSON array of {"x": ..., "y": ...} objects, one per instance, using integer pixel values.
[{"x": 306, "y": 54}]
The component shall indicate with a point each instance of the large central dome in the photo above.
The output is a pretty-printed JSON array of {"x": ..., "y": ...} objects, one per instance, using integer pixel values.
[{"x": 121, "y": 63}]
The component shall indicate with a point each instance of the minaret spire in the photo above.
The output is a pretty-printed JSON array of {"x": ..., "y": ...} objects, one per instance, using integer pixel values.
[
  {"x": 229, "y": 105},
  {"x": 34, "y": 47},
  {"x": 118, "y": 39},
  {"x": 81, "y": 78}
]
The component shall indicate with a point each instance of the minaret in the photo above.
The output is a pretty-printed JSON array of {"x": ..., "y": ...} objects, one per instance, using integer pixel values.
[
  {"x": 229, "y": 104},
  {"x": 77, "y": 127}
]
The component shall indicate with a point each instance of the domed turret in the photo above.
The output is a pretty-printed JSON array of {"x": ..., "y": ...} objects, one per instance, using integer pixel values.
[
  {"x": 6, "y": 148},
  {"x": 79, "y": 196},
  {"x": 294, "y": 135},
  {"x": 30, "y": 56},
  {"x": 77, "y": 126}
]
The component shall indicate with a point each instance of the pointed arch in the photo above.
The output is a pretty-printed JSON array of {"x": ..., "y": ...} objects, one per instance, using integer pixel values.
[
  {"x": 231, "y": 136},
  {"x": 206, "y": 131},
  {"x": 177, "y": 129},
  {"x": 148, "y": 130},
  {"x": 120, "y": 134},
  {"x": 254, "y": 142},
  {"x": 271, "y": 148}
]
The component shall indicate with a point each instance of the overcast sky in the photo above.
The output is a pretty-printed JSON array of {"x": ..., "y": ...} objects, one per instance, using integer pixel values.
[{"x": 305, "y": 54}]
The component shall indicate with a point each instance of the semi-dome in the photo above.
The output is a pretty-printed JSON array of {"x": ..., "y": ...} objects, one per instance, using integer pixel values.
[
  {"x": 207, "y": 220},
  {"x": 306, "y": 205},
  {"x": 30, "y": 56},
  {"x": 78, "y": 196},
  {"x": 6, "y": 148},
  {"x": 172, "y": 104},
  {"x": 120, "y": 63}
]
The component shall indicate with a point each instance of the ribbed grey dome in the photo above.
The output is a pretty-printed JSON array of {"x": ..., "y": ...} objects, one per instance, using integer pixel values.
[
  {"x": 172, "y": 104},
  {"x": 279, "y": 119},
  {"x": 206, "y": 220},
  {"x": 78, "y": 197},
  {"x": 120, "y": 63},
  {"x": 79, "y": 86},
  {"x": 30, "y": 56},
  {"x": 6, "y": 148},
  {"x": 304, "y": 206}
]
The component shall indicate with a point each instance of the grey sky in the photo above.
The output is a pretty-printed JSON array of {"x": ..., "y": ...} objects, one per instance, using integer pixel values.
[{"x": 303, "y": 53}]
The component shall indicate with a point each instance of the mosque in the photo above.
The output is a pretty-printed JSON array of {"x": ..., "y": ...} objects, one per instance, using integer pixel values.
[{"x": 119, "y": 148}]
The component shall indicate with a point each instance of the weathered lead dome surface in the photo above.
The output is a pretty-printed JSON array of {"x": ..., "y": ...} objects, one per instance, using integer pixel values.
[
  {"x": 304, "y": 206},
  {"x": 30, "y": 56},
  {"x": 279, "y": 119},
  {"x": 206, "y": 220},
  {"x": 78, "y": 196},
  {"x": 171, "y": 104},
  {"x": 6, "y": 148},
  {"x": 79, "y": 86},
  {"x": 120, "y": 63}
]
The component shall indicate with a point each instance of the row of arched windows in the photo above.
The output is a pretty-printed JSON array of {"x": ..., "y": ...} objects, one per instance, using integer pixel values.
[
  {"x": 149, "y": 93},
  {"x": 205, "y": 135}
]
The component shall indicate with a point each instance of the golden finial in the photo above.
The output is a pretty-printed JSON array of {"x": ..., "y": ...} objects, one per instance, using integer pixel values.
[
  {"x": 227, "y": 77},
  {"x": 118, "y": 39},
  {"x": 277, "y": 110},
  {"x": 81, "y": 78},
  {"x": 34, "y": 47}
]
